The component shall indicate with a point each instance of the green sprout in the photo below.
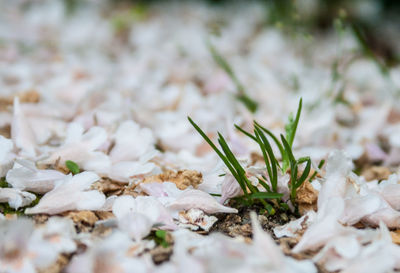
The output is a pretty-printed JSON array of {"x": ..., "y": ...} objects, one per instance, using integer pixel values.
[
  {"x": 251, "y": 192},
  {"x": 161, "y": 238},
  {"x": 289, "y": 163},
  {"x": 241, "y": 95},
  {"x": 321, "y": 163},
  {"x": 290, "y": 128},
  {"x": 285, "y": 147},
  {"x": 72, "y": 166}
]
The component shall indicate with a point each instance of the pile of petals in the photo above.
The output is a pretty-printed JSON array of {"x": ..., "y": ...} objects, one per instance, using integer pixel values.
[{"x": 109, "y": 88}]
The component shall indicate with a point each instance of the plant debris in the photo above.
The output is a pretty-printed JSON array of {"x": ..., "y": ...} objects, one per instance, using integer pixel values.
[{"x": 289, "y": 161}]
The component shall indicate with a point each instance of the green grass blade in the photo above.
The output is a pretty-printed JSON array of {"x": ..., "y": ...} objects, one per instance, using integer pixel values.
[
  {"x": 288, "y": 149},
  {"x": 223, "y": 64},
  {"x": 265, "y": 155},
  {"x": 275, "y": 139},
  {"x": 234, "y": 163},
  {"x": 265, "y": 185},
  {"x": 207, "y": 139},
  {"x": 278, "y": 144},
  {"x": 266, "y": 195},
  {"x": 272, "y": 159},
  {"x": 252, "y": 188},
  {"x": 250, "y": 104},
  {"x": 231, "y": 157},
  {"x": 301, "y": 160},
  {"x": 246, "y": 133},
  {"x": 305, "y": 174},
  {"x": 291, "y": 127},
  {"x": 321, "y": 163},
  {"x": 220, "y": 154},
  {"x": 293, "y": 169}
]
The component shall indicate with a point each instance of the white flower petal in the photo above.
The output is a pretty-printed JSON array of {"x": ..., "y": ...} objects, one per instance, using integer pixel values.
[
  {"x": 15, "y": 197},
  {"x": 197, "y": 199},
  {"x": 21, "y": 132},
  {"x": 70, "y": 194},
  {"x": 25, "y": 176}
]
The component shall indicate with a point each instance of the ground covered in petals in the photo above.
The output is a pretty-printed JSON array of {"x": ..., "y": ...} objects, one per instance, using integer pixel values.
[{"x": 102, "y": 171}]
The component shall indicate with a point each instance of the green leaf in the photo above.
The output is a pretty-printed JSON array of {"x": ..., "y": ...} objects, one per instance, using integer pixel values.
[
  {"x": 207, "y": 139},
  {"x": 272, "y": 159},
  {"x": 288, "y": 149},
  {"x": 228, "y": 163},
  {"x": 305, "y": 174},
  {"x": 265, "y": 185},
  {"x": 246, "y": 133},
  {"x": 301, "y": 160},
  {"x": 321, "y": 163},
  {"x": 266, "y": 195},
  {"x": 241, "y": 174},
  {"x": 291, "y": 126},
  {"x": 278, "y": 144},
  {"x": 265, "y": 156},
  {"x": 161, "y": 238},
  {"x": 162, "y": 234},
  {"x": 72, "y": 166},
  {"x": 250, "y": 104},
  {"x": 231, "y": 157}
]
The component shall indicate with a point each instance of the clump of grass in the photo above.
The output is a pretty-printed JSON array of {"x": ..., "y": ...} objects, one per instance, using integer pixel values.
[
  {"x": 251, "y": 192},
  {"x": 241, "y": 95},
  {"x": 289, "y": 163}
]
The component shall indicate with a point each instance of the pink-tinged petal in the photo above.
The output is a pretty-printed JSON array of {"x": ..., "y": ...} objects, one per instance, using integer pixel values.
[
  {"x": 195, "y": 219},
  {"x": 391, "y": 193},
  {"x": 109, "y": 203},
  {"x": 165, "y": 192},
  {"x": 131, "y": 142},
  {"x": 325, "y": 227},
  {"x": 387, "y": 215},
  {"x": 15, "y": 197},
  {"x": 46, "y": 127},
  {"x": 264, "y": 243},
  {"x": 70, "y": 194},
  {"x": 25, "y": 176},
  {"x": 235, "y": 142},
  {"x": 265, "y": 248},
  {"x": 381, "y": 255},
  {"x": 82, "y": 148},
  {"x": 375, "y": 153},
  {"x": 14, "y": 244},
  {"x": 136, "y": 225},
  {"x": 21, "y": 132},
  {"x": 6, "y": 155},
  {"x": 123, "y": 205},
  {"x": 197, "y": 199},
  {"x": 338, "y": 167},
  {"x": 293, "y": 228},
  {"x": 230, "y": 188},
  {"x": 359, "y": 207},
  {"x": 138, "y": 216},
  {"x": 124, "y": 171},
  {"x": 338, "y": 252},
  {"x": 155, "y": 210},
  {"x": 113, "y": 254}
]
